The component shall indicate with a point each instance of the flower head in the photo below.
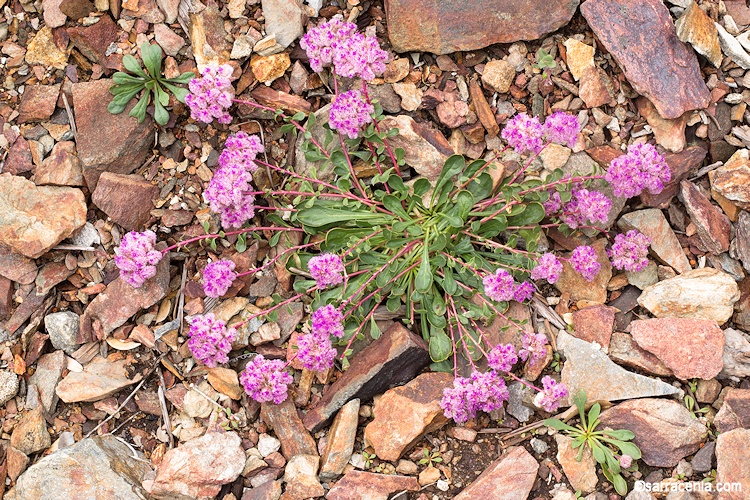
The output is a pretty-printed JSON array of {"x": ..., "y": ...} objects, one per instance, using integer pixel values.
[
  {"x": 548, "y": 268},
  {"x": 553, "y": 204},
  {"x": 586, "y": 206},
  {"x": 211, "y": 94},
  {"x": 625, "y": 461},
  {"x": 641, "y": 168},
  {"x": 136, "y": 257},
  {"x": 534, "y": 347},
  {"x": 319, "y": 42},
  {"x": 241, "y": 149},
  {"x": 502, "y": 357},
  {"x": 586, "y": 262},
  {"x": 630, "y": 251},
  {"x": 326, "y": 269},
  {"x": 499, "y": 286},
  {"x": 210, "y": 340},
  {"x": 524, "y": 133},
  {"x": 266, "y": 380},
  {"x": 552, "y": 394},
  {"x": 482, "y": 391},
  {"x": 561, "y": 128},
  {"x": 315, "y": 352},
  {"x": 226, "y": 195},
  {"x": 218, "y": 277},
  {"x": 350, "y": 112},
  {"x": 523, "y": 291},
  {"x": 327, "y": 321},
  {"x": 359, "y": 55},
  {"x": 455, "y": 404}
]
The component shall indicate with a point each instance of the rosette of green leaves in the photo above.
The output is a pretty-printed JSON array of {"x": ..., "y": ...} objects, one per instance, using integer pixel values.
[
  {"x": 601, "y": 442},
  {"x": 150, "y": 81}
]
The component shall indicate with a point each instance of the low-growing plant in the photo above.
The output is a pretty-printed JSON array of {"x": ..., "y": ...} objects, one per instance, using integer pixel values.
[
  {"x": 430, "y": 458},
  {"x": 148, "y": 80},
  {"x": 604, "y": 444}
]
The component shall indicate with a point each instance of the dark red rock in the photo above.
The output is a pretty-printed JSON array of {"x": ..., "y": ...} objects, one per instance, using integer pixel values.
[
  {"x": 107, "y": 142},
  {"x": 19, "y": 159},
  {"x": 172, "y": 218},
  {"x": 61, "y": 168},
  {"x": 356, "y": 485},
  {"x": 93, "y": 41},
  {"x": 712, "y": 225},
  {"x": 38, "y": 103},
  {"x": 732, "y": 464},
  {"x": 624, "y": 351},
  {"x": 77, "y": 9},
  {"x": 126, "y": 199},
  {"x": 289, "y": 429},
  {"x": 444, "y": 27},
  {"x": 50, "y": 275},
  {"x": 6, "y": 297},
  {"x": 735, "y": 412},
  {"x": 31, "y": 303},
  {"x": 16, "y": 267},
  {"x": 596, "y": 88},
  {"x": 394, "y": 358},
  {"x": 643, "y": 39},
  {"x": 681, "y": 165},
  {"x": 594, "y": 324}
]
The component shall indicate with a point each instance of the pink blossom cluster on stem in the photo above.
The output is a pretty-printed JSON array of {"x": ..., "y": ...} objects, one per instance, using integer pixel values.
[
  {"x": 136, "y": 257},
  {"x": 211, "y": 94}
]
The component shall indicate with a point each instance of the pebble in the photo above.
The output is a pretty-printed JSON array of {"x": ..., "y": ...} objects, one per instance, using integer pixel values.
[
  {"x": 62, "y": 328},
  {"x": 268, "y": 444},
  {"x": 8, "y": 386}
]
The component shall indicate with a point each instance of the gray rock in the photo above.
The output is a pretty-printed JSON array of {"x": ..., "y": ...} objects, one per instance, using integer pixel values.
[
  {"x": 515, "y": 407},
  {"x": 590, "y": 369},
  {"x": 645, "y": 277},
  {"x": 283, "y": 20},
  {"x": 62, "y": 328},
  {"x": 99, "y": 467},
  {"x": 704, "y": 458},
  {"x": 732, "y": 47},
  {"x": 8, "y": 386},
  {"x": 48, "y": 373},
  {"x": 736, "y": 355}
]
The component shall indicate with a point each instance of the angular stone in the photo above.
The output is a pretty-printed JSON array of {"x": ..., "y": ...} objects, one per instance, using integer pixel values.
[
  {"x": 43, "y": 50},
  {"x": 268, "y": 68},
  {"x": 705, "y": 293},
  {"x": 170, "y": 41},
  {"x": 99, "y": 379},
  {"x": 62, "y": 328},
  {"x": 741, "y": 247},
  {"x": 396, "y": 70},
  {"x": 53, "y": 16},
  {"x": 170, "y": 8},
  {"x": 590, "y": 369},
  {"x": 594, "y": 324},
  {"x": 691, "y": 348},
  {"x": 34, "y": 219},
  {"x": 579, "y": 289},
  {"x": 38, "y": 103},
  {"x": 411, "y": 96},
  {"x": 198, "y": 468},
  {"x": 94, "y": 41},
  {"x": 624, "y": 351},
  {"x": 664, "y": 243},
  {"x": 511, "y": 477},
  {"x": 107, "y": 142},
  {"x": 645, "y": 277},
  {"x": 49, "y": 370},
  {"x": 283, "y": 20},
  {"x": 482, "y": 109},
  {"x": 226, "y": 381},
  {"x": 707, "y": 391},
  {"x": 270, "y": 490},
  {"x": 712, "y": 225},
  {"x": 596, "y": 88},
  {"x": 61, "y": 168},
  {"x": 426, "y": 149},
  {"x": 341, "y": 438},
  {"x": 581, "y": 473},
  {"x": 735, "y": 412},
  {"x": 394, "y": 358},
  {"x": 736, "y": 354},
  {"x": 680, "y": 165},
  {"x": 8, "y": 386},
  {"x": 733, "y": 464},
  {"x": 704, "y": 458},
  {"x": 30, "y": 434},
  {"x": 19, "y": 159},
  {"x": 579, "y": 57},
  {"x": 120, "y": 301},
  {"x": 442, "y": 28},
  {"x": 97, "y": 467},
  {"x": 732, "y": 180},
  {"x": 77, "y": 9},
  {"x": 665, "y": 431},
  {"x": 732, "y": 47},
  {"x": 288, "y": 427},
  {"x": 301, "y": 478},
  {"x": 208, "y": 37},
  {"x": 499, "y": 75},
  {"x": 357, "y": 485},
  {"x": 16, "y": 462},
  {"x": 126, "y": 199},
  {"x": 669, "y": 134},
  {"x": 663, "y": 69},
  {"x": 404, "y": 414},
  {"x": 697, "y": 29}
]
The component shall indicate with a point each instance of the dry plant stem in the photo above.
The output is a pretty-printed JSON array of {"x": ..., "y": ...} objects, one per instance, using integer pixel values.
[
  {"x": 228, "y": 233},
  {"x": 273, "y": 260}
]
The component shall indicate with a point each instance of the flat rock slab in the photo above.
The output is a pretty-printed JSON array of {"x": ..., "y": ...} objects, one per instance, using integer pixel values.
[
  {"x": 712, "y": 225},
  {"x": 732, "y": 180},
  {"x": 572, "y": 282},
  {"x": 425, "y": 148},
  {"x": 624, "y": 351},
  {"x": 286, "y": 423},
  {"x": 581, "y": 473},
  {"x": 595, "y": 324},
  {"x": 394, "y": 358},
  {"x": 99, "y": 379},
  {"x": 341, "y": 439},
  {"x": 404, "y": 414},
  {"x": 736, "y": 354},
  {"x": 511, "y": 477},
  {"x": 664, "y": 243},
  {"x": 665, "y": 431},
  {"x": 34, "y": 219},
  {"x": 356, "y": 485},
  {"x": 97, "y": 467},
  {"x": 705, "y": 293},
  {"x": 733, "y": 462},
  {"x": 590, "y": 369},
  {"x": 38, "y": 103},
  {"x": 734, "y": 412},
  {"x": 642, "y": 37},
  {"x": 444, "y": 27},
  {"x": 691, "y": 348},
  {"x": 126, "y": 199}
]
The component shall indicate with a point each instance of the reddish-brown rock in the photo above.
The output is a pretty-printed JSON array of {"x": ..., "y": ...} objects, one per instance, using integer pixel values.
[
  {"x": 712, "y": 225},
  {"x": 38, "y": 103},
  {"x": 126, "y": 199},
  {"x": 680, "y": 164},
  {"x": 690, "y": 347},
  {"x": 594, "y": 324},
  {"x": 425, "y": 148},
  {"x": 669, "y": 134},
  {"x": 642, "y": 37},
  {"x": 404, "y": 414},
  {"x": 394, "y": 358},
  {"x": 735, "y": 412},
  {"x": 288, "y": 427},
  {"x": 664, "y": 243},
  {"x": 579, "y": 289},
  {"x": 444, "y": 27},
  {"x": 19, "y": 159},
  {"x": 16, "y": 267},
  {"x": 93, "y": 41},
  {"x": 511, "y": 477},
  {"x": 107, "y": 142},
  {"x": 76, "y": 9},
  {"x": 482, "y": 109},
  {"x": 732, "y": 180},
  {"x": 596, "y": 88},
  {"x": 733, "y": 464},
  {"x": 624, "y": 351},
  {"x": 61, "y": 168},
  {"x": 6, "y": 297},
  {"x": 356, "y": 485}
]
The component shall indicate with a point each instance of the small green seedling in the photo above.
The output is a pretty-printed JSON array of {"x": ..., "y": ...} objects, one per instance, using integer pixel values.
[
  {"x": 429, "y": 459},
  {"x": 544, "y": 61}
]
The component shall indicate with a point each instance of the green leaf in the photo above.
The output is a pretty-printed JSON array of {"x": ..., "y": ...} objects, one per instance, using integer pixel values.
[
  {"x": 493, "y": 227},
  {"x": 160, "y": 114},
  {"x": 183, "y": 78},
  {"x": 441, "y": 346},
  {"x": 319, "y": 217},
  {"x": 558, "y": 424},
  {"x": 151, "y": 54},
  {"x": 444, "y": 366},
  {"x": 579, "y": 399},
  {"x": 131, "y": 64},
  {"x": 121, "y": 78},
  {"x": 453, "y": 165},
  {"x": 179, "y": 92},
  {"x": 598, "y": 453},
  {"x": 374, "y": 329},
  {"x": 622, "y": 434},
  {"x": 421, "y": 186},
  {"x": 241, "y": 244},
  {"x": 139, "y": 110},
  {"x": 621, "y": 487},
  {"x": 533, "y": 214},
  {"x": 423, "y": 280},
  {"x": 393, "y": 204}
]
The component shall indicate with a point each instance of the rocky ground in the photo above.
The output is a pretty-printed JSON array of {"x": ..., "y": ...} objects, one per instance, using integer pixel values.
[{"x": 98, "y": 387}]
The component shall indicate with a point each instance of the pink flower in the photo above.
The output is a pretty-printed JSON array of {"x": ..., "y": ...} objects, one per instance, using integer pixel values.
[
  {"x": 524, "y": 133},
  {"x": 502, "y": 357},
  {"x": 359, "y": 55},
  {"x": 482, "y": 391},
  {"x": 523, "y": 291},
  {"x": 586, "y": 206},
  {"x": 210, "y": 340},
  {"x": 136, "y": 257},
  {"x": 350, "y": 113},
  {"x": 319, "y": 42},
  {"x": 625, "y": 461},
  {"x": 630, "y": 251},
  {"x": 327, "y": 321},
  {"x": 240, "y": 150},
  {"x": 586, "y": 262},
  {"x": 326, "y": 269},
  {"x": 211, "y": 94},
  {"x": 641, "y": 168},
  {"x": 548, "y": 268},
  {"x": 266, "y": 380},
  {"x": 315, "y": 352},
  {"x": 499, "y": 286},
  {"x": 562, "y": 128},
  {"x": 227, "y": 195},
  {"x": 552, "y": 394},
  {"x": 218, "y": 277},
  {"x": 534, "y": 347}
]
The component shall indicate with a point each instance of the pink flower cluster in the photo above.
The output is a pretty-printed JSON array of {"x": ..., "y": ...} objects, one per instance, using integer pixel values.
[
  {"x": 552, "y": 394},
  {"x": 210, "y": 340},
  {"x": 548, "y": 268},
  {"x": 502, "y": 357},
  {"x": 266, "y": 380},
  {"x": 328, "y": 321},
  {"x": 630, "y": 251},
  {"x": 314, "y": 349},
  {"x": 643, "y": 167},
  {"x": 136, "y": 257},
  {"x": 534, "y": 347},
  {"x": 585, "y": 261},
  {"x": 585, "y": 206},
  {"x": 211, "y": 95},
  {"x": 501, "y": 287},
  {"x": 352, "y": 54},
  {"x": 326, "y": 269},
  {"x": 227, "y": 191},
  {"x": 482, "y": 391},
  {"x": 350, "y": 112},
  {"x": 526, "y": 133},
  {"x": 218, "y": 277}
]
